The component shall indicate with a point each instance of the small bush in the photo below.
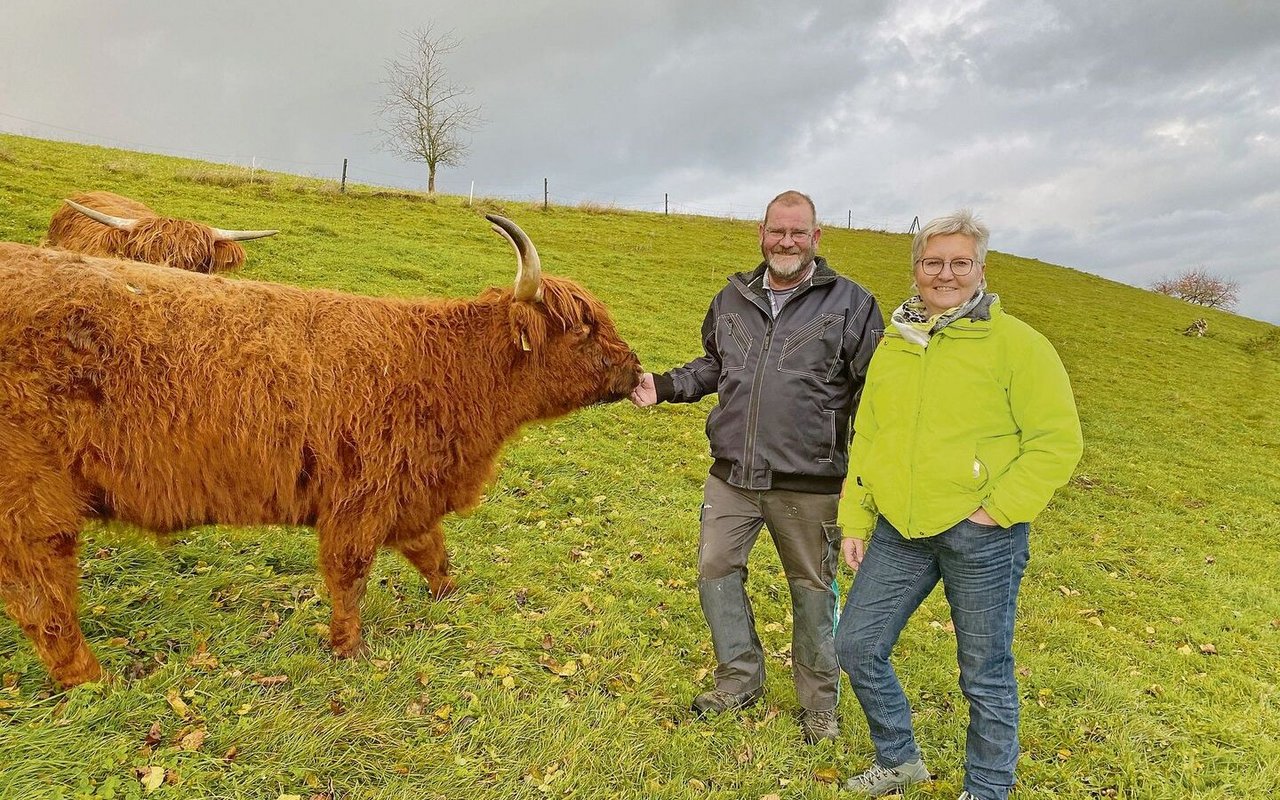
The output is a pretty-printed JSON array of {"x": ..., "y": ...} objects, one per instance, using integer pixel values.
[{"x": 1264, "y": 344}]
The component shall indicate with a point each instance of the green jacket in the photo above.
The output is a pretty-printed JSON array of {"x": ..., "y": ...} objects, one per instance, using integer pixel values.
[{"x": 983, "y": 417}]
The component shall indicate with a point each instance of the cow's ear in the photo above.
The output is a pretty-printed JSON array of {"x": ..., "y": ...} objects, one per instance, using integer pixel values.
[{"x": 528, "y": 326}]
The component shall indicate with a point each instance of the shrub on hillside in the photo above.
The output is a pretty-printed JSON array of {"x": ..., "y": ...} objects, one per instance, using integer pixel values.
[{"x": 1264, "y": 344}]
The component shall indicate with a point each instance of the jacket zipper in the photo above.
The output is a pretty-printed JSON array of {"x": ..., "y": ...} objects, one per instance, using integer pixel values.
[
  {"x": 753, "y": 416},
  {"x": 915, "y": 435}
]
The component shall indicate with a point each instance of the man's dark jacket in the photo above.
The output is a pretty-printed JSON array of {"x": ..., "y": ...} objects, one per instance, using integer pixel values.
[{"x": 787, "y": 386}]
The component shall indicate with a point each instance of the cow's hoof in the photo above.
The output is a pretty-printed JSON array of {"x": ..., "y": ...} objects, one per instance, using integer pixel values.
[
  {"x": 442, "y": 588},
  {"x": 349, "y": 649}
]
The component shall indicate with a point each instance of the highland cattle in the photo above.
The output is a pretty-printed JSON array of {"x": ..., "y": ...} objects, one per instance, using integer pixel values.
[
  {"x": 170, "y": 399},
  {"x": 106, "y": 224}
]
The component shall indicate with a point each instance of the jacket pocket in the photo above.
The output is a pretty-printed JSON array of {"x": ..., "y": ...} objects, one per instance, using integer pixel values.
[
  {"x": 814, "y": 349},
  {"x": 829, "y": 436},
  {"x": 733, "y": 341}
]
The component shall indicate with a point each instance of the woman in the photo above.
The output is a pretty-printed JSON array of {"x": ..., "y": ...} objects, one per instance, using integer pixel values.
[{"x": 966, "y": 428}]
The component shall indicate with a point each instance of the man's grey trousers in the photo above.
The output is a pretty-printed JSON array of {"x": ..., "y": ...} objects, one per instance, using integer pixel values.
[{"x": 804, "y": 530}]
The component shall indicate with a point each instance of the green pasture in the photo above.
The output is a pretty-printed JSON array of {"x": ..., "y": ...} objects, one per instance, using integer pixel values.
[{"x": 1148, "y": 637}]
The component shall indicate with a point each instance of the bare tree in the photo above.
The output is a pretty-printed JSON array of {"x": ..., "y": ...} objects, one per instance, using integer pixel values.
[
  {"x": 425, "y": 116},
  {"x": 1201, "y": 287}
]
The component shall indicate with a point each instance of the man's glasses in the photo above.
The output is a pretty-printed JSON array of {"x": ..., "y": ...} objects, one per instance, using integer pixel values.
[
  {"x": 778, "y": 234},
  {"x": 959, "y": 266}
]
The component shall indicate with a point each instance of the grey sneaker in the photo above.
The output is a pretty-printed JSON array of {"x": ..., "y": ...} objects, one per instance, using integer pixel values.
[
  {"x": 879, "y": 781},
  {"x": 818, "y": 725},
  {"x": 966, "y": 796},
  {"x": 718, "y": 702}
]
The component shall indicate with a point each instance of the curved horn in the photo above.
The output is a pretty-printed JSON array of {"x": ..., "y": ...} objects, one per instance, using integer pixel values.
[
  {"x": 120, "y": 223},
  {"x": 240, "y": 236},
  {"x": 528, "y": 266}
]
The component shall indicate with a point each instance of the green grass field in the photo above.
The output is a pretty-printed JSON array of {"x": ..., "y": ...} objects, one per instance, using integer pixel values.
[{"x": 1148, "y": 637}]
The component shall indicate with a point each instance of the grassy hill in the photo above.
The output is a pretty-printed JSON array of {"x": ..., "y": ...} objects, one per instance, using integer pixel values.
[{"x": 1148, "y": 636}]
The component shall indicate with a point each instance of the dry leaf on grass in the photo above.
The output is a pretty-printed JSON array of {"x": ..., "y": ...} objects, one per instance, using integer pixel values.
[
  {"x": 178, "y": 705},
  {"x": 151, "y": 778},
  {"x": 826, "y": 775}
]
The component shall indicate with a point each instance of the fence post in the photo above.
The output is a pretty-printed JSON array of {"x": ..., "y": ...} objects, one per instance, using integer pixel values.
[
  {"x": 343, "y": 188},
  {"x": 666, "y": 207},
  {"x": 915, "y": 225},
  {"x": 849, "y": 224},
  {"x": 545, "y": 194}
]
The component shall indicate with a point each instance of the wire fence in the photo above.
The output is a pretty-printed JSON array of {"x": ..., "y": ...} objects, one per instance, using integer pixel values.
[{"x": 551, "y": 192}]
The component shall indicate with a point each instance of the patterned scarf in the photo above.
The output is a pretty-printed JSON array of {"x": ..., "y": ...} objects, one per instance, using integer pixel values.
[{"x": 916, "y": 326}]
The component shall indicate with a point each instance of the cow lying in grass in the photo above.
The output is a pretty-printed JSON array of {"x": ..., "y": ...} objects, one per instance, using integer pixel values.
[
  {"x": 169, "y": 399},
  {"x": 106, "y": 224}
]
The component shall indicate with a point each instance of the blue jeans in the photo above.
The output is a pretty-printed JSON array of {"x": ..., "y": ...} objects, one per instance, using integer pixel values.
[{"x": 980, "y": 568}]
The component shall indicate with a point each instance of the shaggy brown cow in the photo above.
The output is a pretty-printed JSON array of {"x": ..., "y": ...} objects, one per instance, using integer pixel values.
[
  {"x": 170, "y": 399},
  {"x": 106, "y": 224}
]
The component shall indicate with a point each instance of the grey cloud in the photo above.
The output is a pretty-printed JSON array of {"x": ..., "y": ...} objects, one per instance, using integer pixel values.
[{"x": 1122, "y": 138}]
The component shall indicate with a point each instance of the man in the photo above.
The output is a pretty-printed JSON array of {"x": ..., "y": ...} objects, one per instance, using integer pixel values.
[
  {"x": 787, "y": 346},
  {"x": 967, "y": 428}
]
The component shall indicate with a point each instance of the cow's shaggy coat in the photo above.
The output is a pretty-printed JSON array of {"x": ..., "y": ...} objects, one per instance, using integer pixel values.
[
  {"x": 170, "y": 399},
  {"x": 154, "y": 239}
]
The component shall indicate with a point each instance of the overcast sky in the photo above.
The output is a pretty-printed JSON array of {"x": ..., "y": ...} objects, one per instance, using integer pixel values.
[{"x": 1132, "y": 139}]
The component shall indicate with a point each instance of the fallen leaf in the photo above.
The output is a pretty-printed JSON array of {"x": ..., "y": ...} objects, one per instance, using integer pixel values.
[
  {"x": 177, "y": 704},
  {"x": 697, "y": 785},
  {"x": 1064, "y": 754},
  {"x": 547, "y": 643},
  {"x": 117, "y": 641},
  {"x": 565, "y": 670},
  {"x": 231, "y": 753},
  {"x": 826, "y": 775},
  {"x": 1185, "y": 649},
  {"x": 202, "y": 658},
  {"x": 1208, "y": 649},
  {"x": 193, "y": 740},
  {"x": 154, "y": 735},
  {"x": 268, "y": 681},
  {"x": 151, "y": 778}
]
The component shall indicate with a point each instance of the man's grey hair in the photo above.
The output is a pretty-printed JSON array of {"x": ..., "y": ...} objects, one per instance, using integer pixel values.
[
  {"x": 793, "y": 198},
  {"x": 962, "y": 221}
]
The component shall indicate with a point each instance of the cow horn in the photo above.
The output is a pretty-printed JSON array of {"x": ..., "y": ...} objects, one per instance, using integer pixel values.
[
  {"x": 120, "y": 223},
  {"x": 240, "y": 236},
  {"x": 528, "y": 266}
]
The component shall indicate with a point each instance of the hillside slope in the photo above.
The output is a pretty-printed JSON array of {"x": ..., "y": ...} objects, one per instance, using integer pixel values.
[{"x": 1149, "y": 629}]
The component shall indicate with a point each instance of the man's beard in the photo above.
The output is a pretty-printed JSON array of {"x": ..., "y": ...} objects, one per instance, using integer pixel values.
[{"x": 788, "y": 273}]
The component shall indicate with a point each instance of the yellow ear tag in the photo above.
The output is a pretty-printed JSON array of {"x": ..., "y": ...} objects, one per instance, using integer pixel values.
[{"x": 524, "y": 342}]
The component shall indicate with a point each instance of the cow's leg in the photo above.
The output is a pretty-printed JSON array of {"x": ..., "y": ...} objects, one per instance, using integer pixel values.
[
  {"x": 426, "y": 552},
  {"x": 38, "y": 582},
  {"x": 345, "y": 562},
  {"x": 40, "y": 519}
]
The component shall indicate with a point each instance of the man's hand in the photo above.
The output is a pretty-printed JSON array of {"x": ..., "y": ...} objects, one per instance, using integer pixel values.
[
  {"x": 646, "y": 394},
  {"x": 853, "y": 550},
  {"x": 983, "y": 518}
]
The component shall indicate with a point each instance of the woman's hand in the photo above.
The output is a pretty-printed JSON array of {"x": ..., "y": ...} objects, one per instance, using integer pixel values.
[{"x": 853, "y": 550}]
